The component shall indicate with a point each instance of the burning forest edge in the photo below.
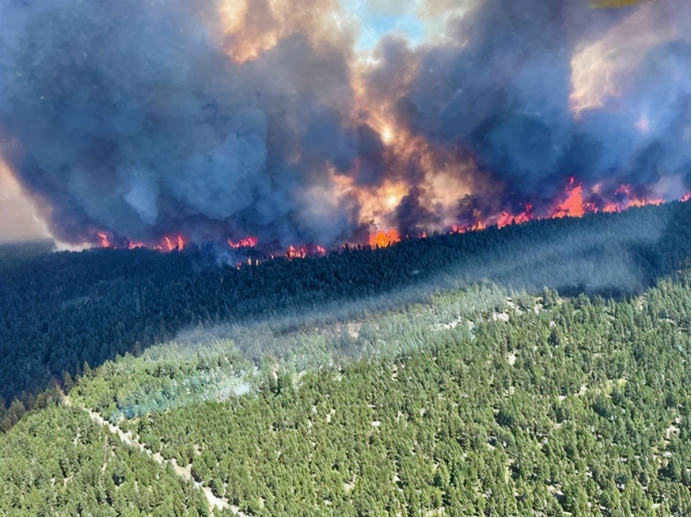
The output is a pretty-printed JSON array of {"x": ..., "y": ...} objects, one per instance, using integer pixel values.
[
  {"x": 571, "y": 204},
  {"x": 115, "y": 301}
]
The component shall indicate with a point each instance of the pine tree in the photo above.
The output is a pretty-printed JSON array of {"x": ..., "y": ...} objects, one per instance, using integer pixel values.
[{"x": 67, "y": 382}]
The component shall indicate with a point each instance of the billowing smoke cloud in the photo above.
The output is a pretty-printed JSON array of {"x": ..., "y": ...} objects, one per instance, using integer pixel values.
[
  {"x": 503, "y": 88},
  {"x": 227, "y": 119},
  {"x": 128, "y": 117}
]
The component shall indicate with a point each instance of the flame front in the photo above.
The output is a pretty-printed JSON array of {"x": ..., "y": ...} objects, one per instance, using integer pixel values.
[
  {"x": 571, "y": 204},
  {"x": 247, "y": 242},
  {"x": 381, "y": 238}
]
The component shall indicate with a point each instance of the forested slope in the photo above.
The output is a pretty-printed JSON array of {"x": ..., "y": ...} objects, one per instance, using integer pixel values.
[
  {"x": 534, "y": 405},
  {"x": 60, "y": 310},
  {"x": 59, "y": 462}
]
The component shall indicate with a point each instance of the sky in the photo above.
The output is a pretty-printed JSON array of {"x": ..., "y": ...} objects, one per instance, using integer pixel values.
[{"x": 380, "y": 17}]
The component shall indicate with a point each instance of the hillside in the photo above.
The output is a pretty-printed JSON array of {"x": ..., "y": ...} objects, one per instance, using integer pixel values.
[
  {"x": 345, "y": 258},
  {"x": 60, "y": 310},
  {"x": 471, "y": 403},
  {"x": 536, "y": 369}
]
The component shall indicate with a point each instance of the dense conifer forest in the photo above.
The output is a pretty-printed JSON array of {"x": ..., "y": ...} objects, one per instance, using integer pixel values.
[
  {"x": 516, "y": 405},
  {"x": 60, "y": 310},
  {"x": 539, "y": 369}
]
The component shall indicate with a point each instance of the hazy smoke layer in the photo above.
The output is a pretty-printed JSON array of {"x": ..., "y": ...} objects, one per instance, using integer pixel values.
[{"x": 146, "y": 118}]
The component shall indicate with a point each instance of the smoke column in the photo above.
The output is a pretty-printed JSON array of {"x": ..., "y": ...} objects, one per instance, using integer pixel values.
[{"x": 226, "y": 119}]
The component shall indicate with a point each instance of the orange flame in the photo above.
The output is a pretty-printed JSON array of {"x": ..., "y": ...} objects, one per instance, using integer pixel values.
[
  {"x": 508, "y": 219},
  {"x": 461, "y": 229},
  {"x": 611, "y": 206},
  {"x": 296, "y": 253},
  {"x": 573, "y": 204},
  {"x": 179, "y": 243},
  {"x": 103, "y": 237},
  {"x": 525, "y": 216},
  {"x": 480, "y": 225},
  {"x": 633, "y": 200},
  {"x": 505, "y": 219},
  {"x": 381, "y": 239},
  {"x": 247, "y": 242}
]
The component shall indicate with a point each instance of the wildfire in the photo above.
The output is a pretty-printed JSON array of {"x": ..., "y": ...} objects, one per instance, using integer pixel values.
[
  {"x": 381, "y": 239},
  {"x": 105, "y": 243},
  {"x": 247, "y": 242},
  {"x": 509, "y": 219},
  {"x": 446, "y": 176},
  {"x": 632, "y": 200},
  {"x": 179, "y": 243},
  {"x": 575, "y": 202},
  {"x": 573, "y": 205},
  {"x": 461, "y": 229},
  {"x": 296, "y": 253},
  {"x": 406, "y": 144}
]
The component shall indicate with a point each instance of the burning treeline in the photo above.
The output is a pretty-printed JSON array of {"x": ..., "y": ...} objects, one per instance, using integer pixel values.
[
  {"x": 572, "y": 204},
  {"x": 262, "y": 122}
]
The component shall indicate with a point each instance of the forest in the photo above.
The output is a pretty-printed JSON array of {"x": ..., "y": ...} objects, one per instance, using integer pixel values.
[
  {"x": 535, "y": 369},
  {"x": 60, "y": 311},
  {"x": 480, "y": 401}
]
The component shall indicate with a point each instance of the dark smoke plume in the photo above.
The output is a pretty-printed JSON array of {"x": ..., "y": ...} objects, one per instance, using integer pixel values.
[
  {"x": 135, "y": 117},
  {"x": 501, "y": 89},
  {"x": 127, "y": 116}
]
